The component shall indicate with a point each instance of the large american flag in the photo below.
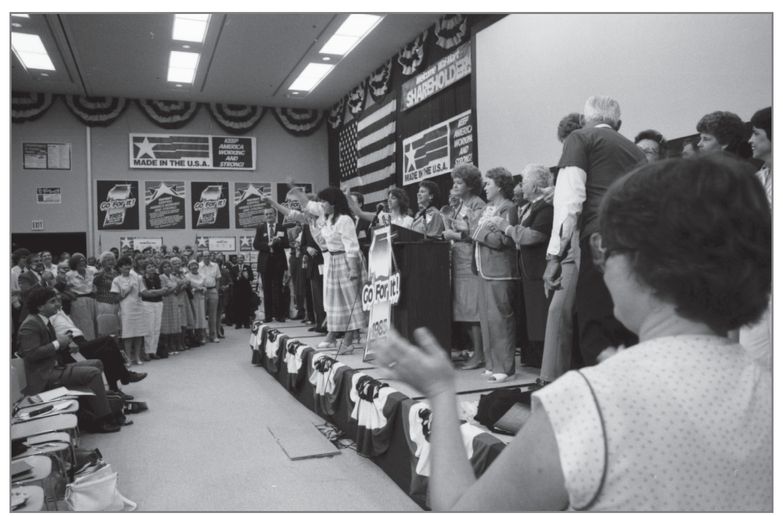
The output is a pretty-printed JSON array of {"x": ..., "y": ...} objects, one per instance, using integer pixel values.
[{"x": 367, "y": 149}]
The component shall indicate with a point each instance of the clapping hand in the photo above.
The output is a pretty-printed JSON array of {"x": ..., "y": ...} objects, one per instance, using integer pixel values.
[{"x": 426, "y": 368}]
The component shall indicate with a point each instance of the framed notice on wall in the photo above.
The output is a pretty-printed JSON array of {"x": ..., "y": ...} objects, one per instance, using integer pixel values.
[{"x": 46, "y": 156}]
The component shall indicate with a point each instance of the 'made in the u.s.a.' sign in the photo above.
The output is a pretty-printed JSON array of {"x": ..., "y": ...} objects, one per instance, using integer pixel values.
[
  {"x": 437, "y": 150},
  {"x": 188, "y": 151}
]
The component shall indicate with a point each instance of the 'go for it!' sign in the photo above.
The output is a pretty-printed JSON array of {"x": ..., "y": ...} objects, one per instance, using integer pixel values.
[{"x": 182, "y": 151}]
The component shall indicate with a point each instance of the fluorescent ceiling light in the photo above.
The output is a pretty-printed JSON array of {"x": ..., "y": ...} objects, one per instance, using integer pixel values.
[
  {"x": 350, "y": 33},
  {"x": 31, "y": 52},
  {"x": 311, "y": 76},
  {"x": 21, "y": 15},
  {"x": 190, "y": 27},
  {"x": 182, "y": 66}
]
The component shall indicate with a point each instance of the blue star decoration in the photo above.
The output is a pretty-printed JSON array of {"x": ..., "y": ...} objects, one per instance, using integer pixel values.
[{"x": 145, "y": 148}]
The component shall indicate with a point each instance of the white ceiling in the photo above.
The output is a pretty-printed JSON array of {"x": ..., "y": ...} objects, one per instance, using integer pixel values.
[{"x": 247, "y": 58}]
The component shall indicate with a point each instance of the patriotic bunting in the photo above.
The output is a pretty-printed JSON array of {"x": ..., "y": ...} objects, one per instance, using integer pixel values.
[
  {"x": 379, "y": 81},
  {"x": 26, "y": 107},
  {"x": 412, "y": 55},
  {"x": 336, "y": 114},
  {"x": 299, "y": 122},
  {"x": 450, "y": 30},
  {"x": 357, "y": 98},
  {"x": 366, "y": 152},
  {"x": 169, "y": 114},
  {"x": 96, "y": 111},
  {"x": 236, "y": 118}
]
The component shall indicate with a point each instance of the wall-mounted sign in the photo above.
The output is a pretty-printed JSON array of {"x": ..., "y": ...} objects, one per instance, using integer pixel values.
[
  {"x": 187, "y": 152},
  {"x": 437, "y": 150},
  {"x": 48, "y": 195},
  {"x": 118, "y": 206},
  {"x": 46, "y": 156},
  {"x": 142, "y": 243},
  {"x": 209, "y": 202},
  {"x": 38, "y": 225},
  {"x": 222, "y": 243},
  {"x": 164, "y": 204},
  {"x": 246, "y": 243},
  {"x": 249, "y": 203},
  {"x": 437, "y": 77}
]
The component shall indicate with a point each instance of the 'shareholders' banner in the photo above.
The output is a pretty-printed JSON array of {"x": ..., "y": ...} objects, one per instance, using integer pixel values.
[{"x": 437, "y": 77}]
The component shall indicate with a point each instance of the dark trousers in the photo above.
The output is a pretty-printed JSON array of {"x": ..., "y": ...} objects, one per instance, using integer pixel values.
[
  {"x": 317, "y": 291},
  {"x": 84, "y": 374},
  {"x": 598, "y": 328},
  {"x": 272, "y": 281},
  {"x": 107, "y": 351}
]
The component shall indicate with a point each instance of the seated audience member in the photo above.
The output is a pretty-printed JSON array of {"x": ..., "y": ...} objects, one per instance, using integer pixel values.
[
  {"x": 652, "y": 143},
  {"x": 653, "y": 427},
  {"x": 43, "y": 351},
  {"x": 690, "y": 148},
  {"x": 531, "y": 237},
  {"x": 722, "y": 131},
  {"x": 757, "y": 338},
  {"x": 106, "y": 349},
  {"x": 428, "y": 219}
]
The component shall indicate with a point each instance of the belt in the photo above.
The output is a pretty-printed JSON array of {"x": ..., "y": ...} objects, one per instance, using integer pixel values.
[
  {"x": 210, "y": 288},
  {"x": 85, "y": 295},
  {"x": 336, "y": 252}
]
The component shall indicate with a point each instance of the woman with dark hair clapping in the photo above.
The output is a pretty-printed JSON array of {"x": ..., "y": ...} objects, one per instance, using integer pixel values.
[{"x": 685, "y": 249}]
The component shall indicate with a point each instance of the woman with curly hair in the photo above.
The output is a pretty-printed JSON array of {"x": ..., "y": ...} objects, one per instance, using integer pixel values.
[
  {"x": 723, "y": 131},
  {"x": 428, "y": 219},
  {"x": 496, "y": 261},
  {"x": 465, "y": 282},
  {"x": 685, "y": 249}
]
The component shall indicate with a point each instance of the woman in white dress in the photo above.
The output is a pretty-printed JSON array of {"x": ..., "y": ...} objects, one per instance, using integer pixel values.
[
  {"x": 681, "y": 421},
  {"x": 197, "y": 288},
  {"x": 133, "y": 316}
]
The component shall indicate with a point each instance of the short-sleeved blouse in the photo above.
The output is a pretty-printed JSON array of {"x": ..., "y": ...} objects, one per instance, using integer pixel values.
[
  {"x": 675, "y": 424},
  {"x": 341, "y": 236}
]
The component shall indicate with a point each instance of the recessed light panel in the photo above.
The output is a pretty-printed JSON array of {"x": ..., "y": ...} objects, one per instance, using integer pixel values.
[
  {"x": 31, "y": 51},
  {"x": 190, "y": 27},
  {"x": 311, "y": 76}
]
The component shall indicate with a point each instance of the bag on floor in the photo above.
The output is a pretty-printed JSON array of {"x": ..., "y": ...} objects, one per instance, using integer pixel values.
[
  {"x": 87, "y": 419},
  {"x": 94, "y": 488}
]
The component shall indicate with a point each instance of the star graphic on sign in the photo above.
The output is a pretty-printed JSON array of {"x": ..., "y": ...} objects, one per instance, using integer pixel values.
[
  {"x": 145, "y": 147},
  {"x": 245, "y": 241},
  {"x": 201, "y": 242},
  {"x": 410, "y": 155},
  {"x": 125, "y": 242}
]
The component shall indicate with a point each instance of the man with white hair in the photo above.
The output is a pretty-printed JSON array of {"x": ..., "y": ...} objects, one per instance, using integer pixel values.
[{"x": 593, "y": 158}]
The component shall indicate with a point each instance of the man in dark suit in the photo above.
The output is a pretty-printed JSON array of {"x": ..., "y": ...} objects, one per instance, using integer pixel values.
[
  {"x": 271, "y": 241},
  {"x": 43, "y": 352}
]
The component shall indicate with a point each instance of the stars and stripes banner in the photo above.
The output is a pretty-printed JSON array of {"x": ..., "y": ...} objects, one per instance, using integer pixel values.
[
  {"x": 438, "y": 150},
  {"x": 379, "y": 81},
  {"x": 26, "y": 107},
  {"x": 169, "y": 114},
  {"x": 188, "y": 151},
  {"x": 164, "y": 204},
  {"x": 411, "y": 57},
  {"x": 367, "y": 149},
  {"x": 96, "y": 111},
  {"x": 235, "y": 118},
  {"x": 118, "y": 204},
  {"x": 249, "y": 203},
  {"x": 297, "y": 121},
  {"x": 450, "y": 31}
]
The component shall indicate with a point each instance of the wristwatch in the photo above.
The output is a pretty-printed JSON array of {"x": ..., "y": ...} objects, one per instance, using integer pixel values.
[{"x": 555, "y": 257}]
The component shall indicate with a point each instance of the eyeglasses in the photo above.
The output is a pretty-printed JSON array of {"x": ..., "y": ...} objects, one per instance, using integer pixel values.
[{"x": 600, "y": 253}]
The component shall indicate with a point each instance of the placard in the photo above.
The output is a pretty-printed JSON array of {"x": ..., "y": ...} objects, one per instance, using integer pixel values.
[
  {"x": 437, "y": 77},
  {"x": 141, "y": 244},
  {"x": 249, "y": 203},
  {"x": 381, "y": 290},
  {"x": 164, "y": 204},
  {"x": 48, "y": 195},
  {"x": 222, "y": 244},
  {"x": 209, "y": 203},
  {"x": 46, "y": 156},
  {"x": 438, "y": 150},
  {"x": 246, "y": 243},
  {"x": 118, "y": 206},
  {"x": 192, "y": 151}
]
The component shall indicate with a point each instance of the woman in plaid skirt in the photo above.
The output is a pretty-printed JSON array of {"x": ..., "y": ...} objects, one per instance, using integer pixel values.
[{"x": 345, "y": 274}]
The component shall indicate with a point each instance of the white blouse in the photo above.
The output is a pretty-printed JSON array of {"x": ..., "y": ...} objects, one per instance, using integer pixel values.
[{"x": 341, "y": 236}]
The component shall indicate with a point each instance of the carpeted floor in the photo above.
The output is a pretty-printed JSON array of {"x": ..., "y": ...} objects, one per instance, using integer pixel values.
[{"x": 204, "y": 443}]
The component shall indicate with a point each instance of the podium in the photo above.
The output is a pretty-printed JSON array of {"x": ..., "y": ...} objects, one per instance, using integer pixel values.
[{"x": 425, "y": 286}]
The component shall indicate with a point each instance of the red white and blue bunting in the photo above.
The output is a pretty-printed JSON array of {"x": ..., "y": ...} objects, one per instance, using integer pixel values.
[
  {"x": 450, "y": 30},
  {"x": 412, "y": 55},
  {"x": 379, "y": 81},
  {"x": 336, "y": 114},
  {"x": 96, "y": 111},
  {"x": 357, "y": 98},
  {"x": 169, "y": 114},
  {"x": 29, "y": 106},
  {"x": 235, "y": 118},
  {"x": 298, "y": 121}
]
